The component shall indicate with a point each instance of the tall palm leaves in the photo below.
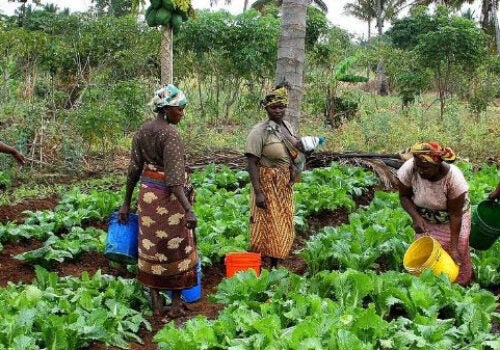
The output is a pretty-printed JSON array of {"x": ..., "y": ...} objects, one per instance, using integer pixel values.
[
  {"x": 260, "y": 4},
  {"x": 379, "y": 10},
  {"x": 363, "y": 10}
]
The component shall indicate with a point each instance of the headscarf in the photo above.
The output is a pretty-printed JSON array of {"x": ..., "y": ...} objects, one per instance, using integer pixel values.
[
  {"x": 278, "y": 95},
  {"x": 432, "y": 152},
  {"x": 168, "y": 95}
]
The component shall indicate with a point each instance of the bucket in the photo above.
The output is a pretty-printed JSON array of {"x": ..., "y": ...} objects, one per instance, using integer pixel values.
[
  {"x": 485, "y": 225},
  {"x": 190, "y": 295},
  {"x": 427, "y": 253},
  {"x": 236, "y": 262},
  {"x": 121, "y": 241}
]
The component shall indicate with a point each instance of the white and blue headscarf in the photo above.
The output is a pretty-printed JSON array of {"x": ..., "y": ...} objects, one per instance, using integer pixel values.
[{"x": 168, "y": 95}]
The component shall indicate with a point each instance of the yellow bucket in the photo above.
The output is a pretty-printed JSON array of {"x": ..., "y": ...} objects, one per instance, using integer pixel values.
[{"x": 427, "y": 253}]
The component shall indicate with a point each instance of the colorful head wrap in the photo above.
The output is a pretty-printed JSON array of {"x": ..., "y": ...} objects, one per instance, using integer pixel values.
[
  {"x": 168, "y": 95},
  {"x": 432, "y": 152},
  {"x": 278, "y": 95}
]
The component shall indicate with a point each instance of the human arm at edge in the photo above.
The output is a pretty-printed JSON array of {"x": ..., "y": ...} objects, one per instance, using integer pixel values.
[
  {"x": 4, "y": 148},
  {"x": 455, "y": 210},
  {"x": 495, "y": 194},
  {"x": 253, "y": 169},
  {"x": 405, "y": 194}
]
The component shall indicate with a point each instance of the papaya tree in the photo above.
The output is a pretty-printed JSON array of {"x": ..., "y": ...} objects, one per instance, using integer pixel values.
[{"x": 168, "y": 15}]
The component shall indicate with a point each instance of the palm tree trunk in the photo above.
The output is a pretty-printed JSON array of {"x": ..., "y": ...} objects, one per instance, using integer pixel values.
[
  {"x": 381, "y": 76},
  {"x": 291, "y": 55},
  {"x": 167, "y": 55},
  {"x": 497, "y": 28}
]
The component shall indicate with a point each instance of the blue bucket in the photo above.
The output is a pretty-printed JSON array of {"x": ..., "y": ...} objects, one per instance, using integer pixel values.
[
  {"x": 190, "y": 295},
  {"x": 121, "y": 241}
]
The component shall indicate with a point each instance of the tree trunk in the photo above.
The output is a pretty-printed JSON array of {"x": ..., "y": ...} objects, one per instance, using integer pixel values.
[
  {"x": 485, "y": 12},
  {"x": 291, "y": 55},
  {"x": 381, "y": 76},
  {"x": 167, "y": 55},
  {"x": 497, "y": 28},
  {"x": 245, "y": 5}
]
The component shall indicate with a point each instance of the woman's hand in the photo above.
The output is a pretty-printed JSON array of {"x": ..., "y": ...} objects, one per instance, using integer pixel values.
[
  {"x": 495, "y": 194},
  {"x": 455, "y": 255},
  {"x": 419, "y": 225},
  {"x": 123, "y": 214},
  {"x": 260, "y": 200},
  {"x": 19, "y": 158},
  {"x": 191, "y": 219}
]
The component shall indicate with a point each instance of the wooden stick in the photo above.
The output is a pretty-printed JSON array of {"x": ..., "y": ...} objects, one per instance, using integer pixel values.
[{"x": 38, "y": 161}]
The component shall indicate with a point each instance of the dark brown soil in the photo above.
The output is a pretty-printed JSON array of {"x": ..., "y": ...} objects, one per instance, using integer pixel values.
[{"x": 14, "y": 213}]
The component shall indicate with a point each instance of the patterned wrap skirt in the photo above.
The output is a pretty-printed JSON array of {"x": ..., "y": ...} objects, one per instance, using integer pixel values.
[
  {"x": 441, "y": 232},
  {"x": 167, "y": 250},
  {"x": 272, "y": 230}
]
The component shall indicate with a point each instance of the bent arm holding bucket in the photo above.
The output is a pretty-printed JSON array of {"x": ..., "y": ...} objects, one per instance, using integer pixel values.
[
  {"x": 133, "y": 176},
  {"x": 495, "y": 194},
  {"x": 405, "y": 195},
  {"x": 125, "y": 208},
  {"x": 455, "y": 209}
]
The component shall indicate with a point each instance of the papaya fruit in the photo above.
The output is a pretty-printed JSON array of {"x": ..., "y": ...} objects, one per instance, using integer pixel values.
[
  {"x": 163, "y": 17},
  {"x": 156, "y": 4},
  {"x": 151, "y": 17},
  {"x": 176, "y": 22},
  {"x": 167, "y": 5}
]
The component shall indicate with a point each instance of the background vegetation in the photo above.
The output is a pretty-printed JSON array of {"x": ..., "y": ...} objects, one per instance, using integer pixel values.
[{"x": 70, "y": 97}]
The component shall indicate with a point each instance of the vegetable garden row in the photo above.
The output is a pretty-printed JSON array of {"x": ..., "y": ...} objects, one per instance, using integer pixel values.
[{"x": 353, "y": 295}]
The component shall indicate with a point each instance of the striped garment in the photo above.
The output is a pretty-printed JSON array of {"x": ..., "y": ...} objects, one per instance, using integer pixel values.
[
  {"x": 441, "y": 232},
  {"x": 167, "y": 250},
  {"x": 272, "y": 230}
]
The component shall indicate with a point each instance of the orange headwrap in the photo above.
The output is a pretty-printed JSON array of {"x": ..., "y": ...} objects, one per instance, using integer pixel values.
[{"x": 432, "y": 152}]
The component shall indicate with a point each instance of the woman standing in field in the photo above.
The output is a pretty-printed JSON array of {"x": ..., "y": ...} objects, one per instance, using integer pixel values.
[
  {"x": 270, "y": 152},
  {"x": 435, "y": 194},
  {"x": 167, "y": 251}
]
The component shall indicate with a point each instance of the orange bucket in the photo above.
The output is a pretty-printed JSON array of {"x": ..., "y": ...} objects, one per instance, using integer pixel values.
[{"x": 236, "y": 262}]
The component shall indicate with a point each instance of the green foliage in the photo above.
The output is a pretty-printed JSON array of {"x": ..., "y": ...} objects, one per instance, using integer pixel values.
[
  {"x": 405, "y": 32},
  {"x": 445, "y": 44},
  {"x": 339, "y": 310},
  {"x": 5, "y": 180},
  {"x": 116, "y": 8},
  {"x": 316, "y": 25},
  {"x": 109, "y": 111},
  {"x": 68, "y": 247},
  {"x": 411, "y": 84},
  {"x": 71, "y": 313}
]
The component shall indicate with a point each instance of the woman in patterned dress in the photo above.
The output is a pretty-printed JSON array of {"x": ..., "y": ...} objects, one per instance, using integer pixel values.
[
  {"x": 167, "y": 251},
  {"x": 269, "y": 151},
  {"x": 435, "y": 194}
]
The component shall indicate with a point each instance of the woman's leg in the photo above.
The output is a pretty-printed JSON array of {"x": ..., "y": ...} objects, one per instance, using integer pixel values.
[
  {"x": 177, "y": 308},
  {"x": 156, "y": 301}
]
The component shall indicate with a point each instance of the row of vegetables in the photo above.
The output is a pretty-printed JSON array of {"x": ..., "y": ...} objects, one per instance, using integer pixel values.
[{"x": 361, "y": 304}]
